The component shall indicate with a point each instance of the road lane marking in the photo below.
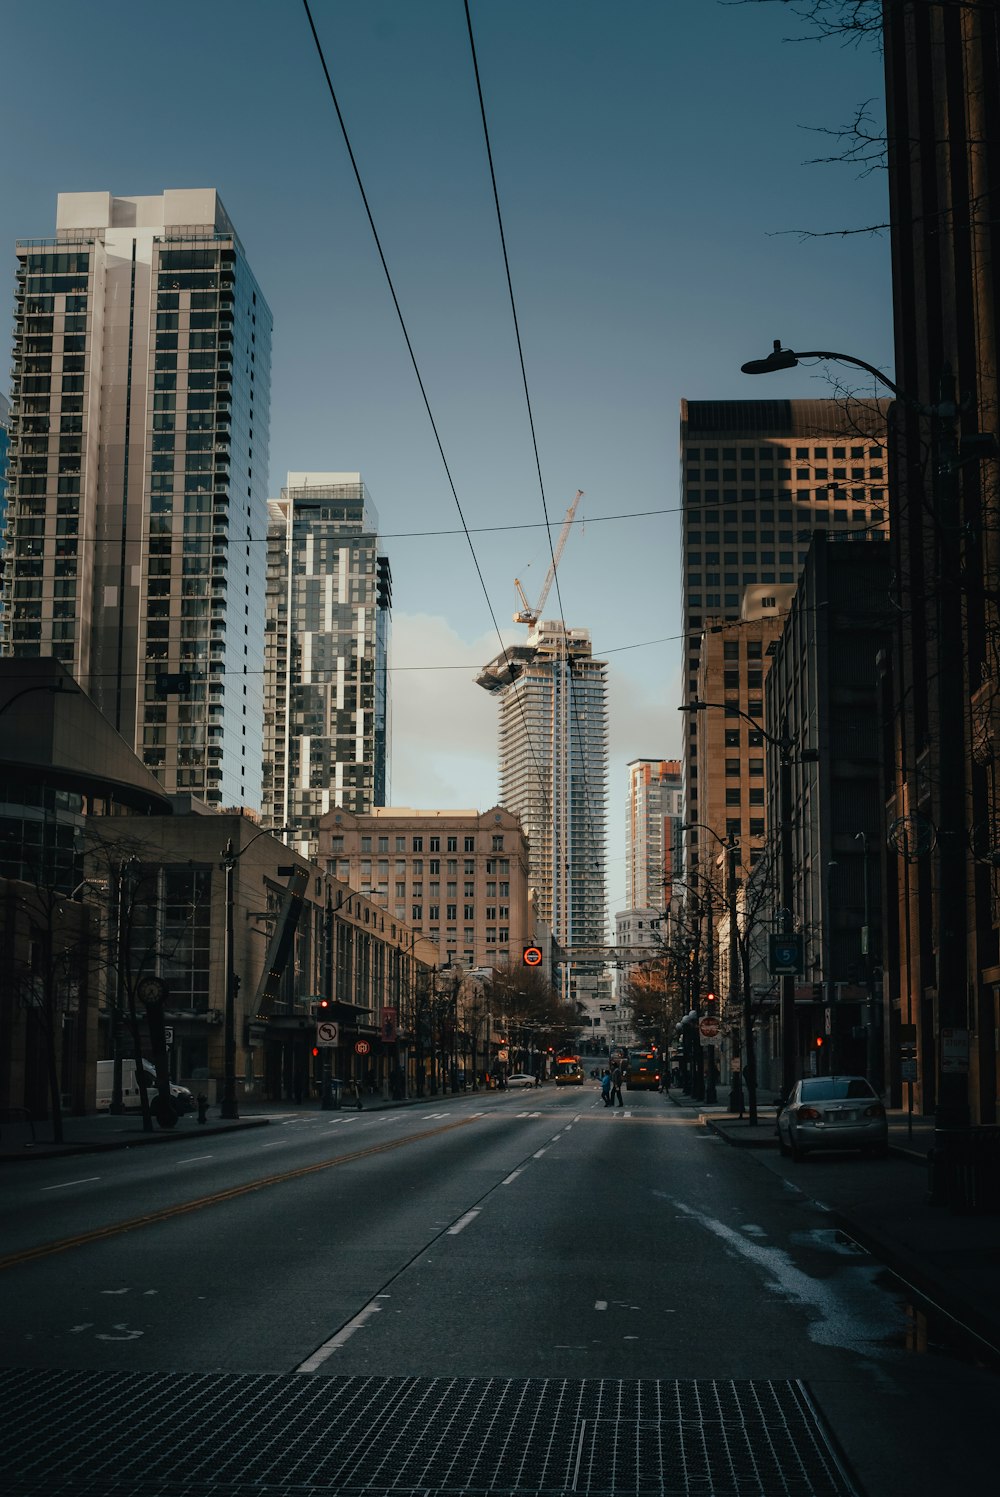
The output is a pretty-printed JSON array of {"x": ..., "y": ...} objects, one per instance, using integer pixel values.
[
  {"x": 513, "y": 1175},
  {"x": 87, "y": 1180},
  {"x": 600, "y": 1304},
  {"x": 193, "y": 1159},
  {"x": 539, "y": 1154},
  {"x": 463, "y": 1222},
  {"x": 276, "y": 1145},
  {"x": 167, "y": 1213},
  {"x": 335, "y": 1342}
]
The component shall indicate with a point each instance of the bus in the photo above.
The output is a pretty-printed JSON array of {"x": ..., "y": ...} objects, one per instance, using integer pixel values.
[
  {"x": 569, "y": 1071},
  {"x": 644, "y": 1071}
]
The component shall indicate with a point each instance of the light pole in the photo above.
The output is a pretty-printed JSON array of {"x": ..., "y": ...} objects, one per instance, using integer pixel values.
[
  {"x": 785, "y": 745},
  {"x": 737, "y": 1001},
  {"x": 951, "y": 978},
  {"x": 871, "y": 1049},
  {"x": 230, "y": 857}
]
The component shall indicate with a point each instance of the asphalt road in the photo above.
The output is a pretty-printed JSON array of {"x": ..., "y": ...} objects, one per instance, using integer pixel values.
[{"x": 521, "y": 1235}]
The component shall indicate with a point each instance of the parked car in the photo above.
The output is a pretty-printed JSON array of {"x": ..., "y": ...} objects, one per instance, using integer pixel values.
[
  {"x": 520, "y": 1078},
  {"x": 179, "y": 1095},
  {"x": 832, "y": 1112}
]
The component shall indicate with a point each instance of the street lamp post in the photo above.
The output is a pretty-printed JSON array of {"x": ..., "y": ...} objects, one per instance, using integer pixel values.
[
  {"x": 737, "y": 1001},
  {"x": 230, "y": 857},
  {"x": 785, "y": 745},
  {"x": 871, "y": 1047}
]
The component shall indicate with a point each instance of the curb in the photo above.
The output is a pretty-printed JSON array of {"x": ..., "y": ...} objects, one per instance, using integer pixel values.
[
  {"x": 980, "y": 1334},
  {"x": 736, "y": 1141}
]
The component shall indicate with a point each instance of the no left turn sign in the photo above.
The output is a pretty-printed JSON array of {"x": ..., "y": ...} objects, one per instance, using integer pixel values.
[{"x": 327, "y": 1033}]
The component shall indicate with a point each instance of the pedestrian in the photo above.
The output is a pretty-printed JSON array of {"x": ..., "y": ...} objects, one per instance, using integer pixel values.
[
  {"x": 617, "y": 1077},
  {"x": 606, "y": 1087}
]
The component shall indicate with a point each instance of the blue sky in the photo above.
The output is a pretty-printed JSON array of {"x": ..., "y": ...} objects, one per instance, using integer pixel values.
[{"x": 651, "y": 162}]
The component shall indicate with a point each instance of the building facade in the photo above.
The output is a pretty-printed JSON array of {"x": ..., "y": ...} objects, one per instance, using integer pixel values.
[
  {"x": 943, "y": 689},
  {"x": 553, "y": 761},
  {"x": 326, "y": 700},
  {"x": 759, "y": 477},
  {"x": 458, "y": 879},
  {"x": 137, "y": 481},
  {"x": 824, "y": 684},
  {"x": 653, "y": 816}
]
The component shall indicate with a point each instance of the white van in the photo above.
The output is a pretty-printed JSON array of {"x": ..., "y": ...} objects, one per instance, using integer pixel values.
[{"x": 131, "y": 1101}]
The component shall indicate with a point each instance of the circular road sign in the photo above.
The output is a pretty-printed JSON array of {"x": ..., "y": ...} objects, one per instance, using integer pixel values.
[
  {"x": 532, "y": 956},
  {"x": 708, "y": 1028},
  {"x": 361, "y": 1047}
]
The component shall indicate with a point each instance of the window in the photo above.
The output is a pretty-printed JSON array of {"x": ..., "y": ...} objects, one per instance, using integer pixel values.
[
  {"x": 453, "y": 844},
  {"x": 400, "y": 891},
  {"x": 435, "y": 862},
  {"x": 383, "y": 844},
  {"x": 470, "y": 912},
  {"x": 469, "y": 866},
  {"x": 733, "y": 797},
  {"x": 733, "y": 768},
  {"x": 435, "y": 844},
  {"x": 366, "y": 844},
  {"x": 400, "y": 844},
  {"x": 732, "y": 738},
  {"x": 756, "y": 769},
  {"x": 470, "y": 844},
  {"x": 451, "y": 912},
  {"x": 498, "y": 844},
  {"x": 415, "y": 912},
  {"x": 469, "y": 890},
  {"x": 418, "y": 844}
]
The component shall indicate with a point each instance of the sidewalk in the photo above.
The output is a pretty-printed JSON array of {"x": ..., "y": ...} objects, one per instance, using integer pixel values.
[
  {"x": 99, "y": 1132},
  {"x": 948, "y": 1259}
]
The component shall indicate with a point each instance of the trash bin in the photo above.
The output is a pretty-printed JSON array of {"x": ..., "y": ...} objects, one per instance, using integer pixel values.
[{"x": 970, "y": 1163}]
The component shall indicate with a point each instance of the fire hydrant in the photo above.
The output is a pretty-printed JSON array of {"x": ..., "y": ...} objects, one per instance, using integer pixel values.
[{"x": 202, "y": 1101}]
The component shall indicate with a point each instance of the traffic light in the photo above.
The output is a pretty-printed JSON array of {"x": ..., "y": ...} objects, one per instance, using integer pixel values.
[
  {"x": 315, "y": 1051},
  {"x": 819, "y": 1042},
  {"x": 710, "y": 1003},
  {"x": 321, "y": 1008}
]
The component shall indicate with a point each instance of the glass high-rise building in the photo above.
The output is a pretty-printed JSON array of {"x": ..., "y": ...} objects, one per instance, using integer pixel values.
[
  {"x": 329, "y": 600},
  {"x": 654, "y": 814},
  {"x": 553, "y": 743},
  {"x": 137, "y": 483}
]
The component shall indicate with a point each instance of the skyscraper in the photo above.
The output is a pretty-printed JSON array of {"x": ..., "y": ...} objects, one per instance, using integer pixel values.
[
  {"x": 326, "y": 703},
  {"x": 759, "y": 477},
  {"x": 654, "y": 811},
  {"x": 137, "y": 486},
  {"x": 553, "y": 761}
]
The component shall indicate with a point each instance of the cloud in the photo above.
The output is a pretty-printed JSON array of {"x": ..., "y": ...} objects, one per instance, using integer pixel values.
[{"x": 444, "y": 726}]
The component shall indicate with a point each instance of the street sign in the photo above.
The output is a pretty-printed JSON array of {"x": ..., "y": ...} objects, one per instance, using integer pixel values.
[
  {"x": 908, "y": 1070},
  {"x": 327, "y": 1033},
  {"x": 361, "y": 1047},
  {"x": 169, "y": 1033},
  {"x": 708, "y": 1028},
  {"x": 532, "y": 956},
  {"x": 786, "y": 955}
]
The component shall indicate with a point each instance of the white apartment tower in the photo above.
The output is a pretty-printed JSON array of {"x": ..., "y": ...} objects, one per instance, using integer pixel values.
[
  {"x": 326, "y": 703},
  {"x": 654, "y": 813},
  {"x": 553, "y": 752},
  {"x": 137, "y": 482}
]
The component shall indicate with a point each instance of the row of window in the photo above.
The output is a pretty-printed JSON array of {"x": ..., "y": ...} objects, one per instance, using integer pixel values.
[
  {"x": 777, "y": 454},
  {"x": 416, "y": 844}
]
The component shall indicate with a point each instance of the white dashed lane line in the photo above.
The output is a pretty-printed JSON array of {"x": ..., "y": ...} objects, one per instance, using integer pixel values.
[
  {"x": 87, "y": 1180},
  {"x": 513, "y": 1175}
]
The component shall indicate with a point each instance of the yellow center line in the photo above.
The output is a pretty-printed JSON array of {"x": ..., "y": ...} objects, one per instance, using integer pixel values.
[{"x": 114, "y": 1229}]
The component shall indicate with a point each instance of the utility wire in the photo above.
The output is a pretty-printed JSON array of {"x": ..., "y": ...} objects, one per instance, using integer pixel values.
[
  {"x": 409, "y": 347},
  {"x": 576, "y": 717}
]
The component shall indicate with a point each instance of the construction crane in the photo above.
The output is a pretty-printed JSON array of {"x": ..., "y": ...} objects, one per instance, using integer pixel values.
[{"x": 526, "y": 614}]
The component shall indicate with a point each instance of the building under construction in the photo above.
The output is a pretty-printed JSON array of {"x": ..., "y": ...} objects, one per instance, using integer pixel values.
[{"x": 553, "y": 758}]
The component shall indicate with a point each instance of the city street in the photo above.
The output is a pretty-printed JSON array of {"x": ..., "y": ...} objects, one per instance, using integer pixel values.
[{"x": 518, "y": 1236}]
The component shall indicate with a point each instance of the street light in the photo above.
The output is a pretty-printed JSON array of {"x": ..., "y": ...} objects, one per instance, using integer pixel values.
[
  {"x": 739, "y": 998},
  {"x": 785, "y": 745},
  {"x": 230, "y": 857}
]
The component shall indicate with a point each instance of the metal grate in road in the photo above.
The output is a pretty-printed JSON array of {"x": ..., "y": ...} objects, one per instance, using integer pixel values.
[{"x": 115, "y": 1434}]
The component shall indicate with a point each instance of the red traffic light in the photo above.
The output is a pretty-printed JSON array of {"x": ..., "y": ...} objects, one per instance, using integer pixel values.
[
  {"x": 819, "y": 1042},
  {"x": 710, "y": 999},
  {"x": 315, "y": 1051}
]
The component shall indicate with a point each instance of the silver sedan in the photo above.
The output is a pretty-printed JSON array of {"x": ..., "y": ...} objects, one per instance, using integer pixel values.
[{"x": 832, "y": 1112}]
